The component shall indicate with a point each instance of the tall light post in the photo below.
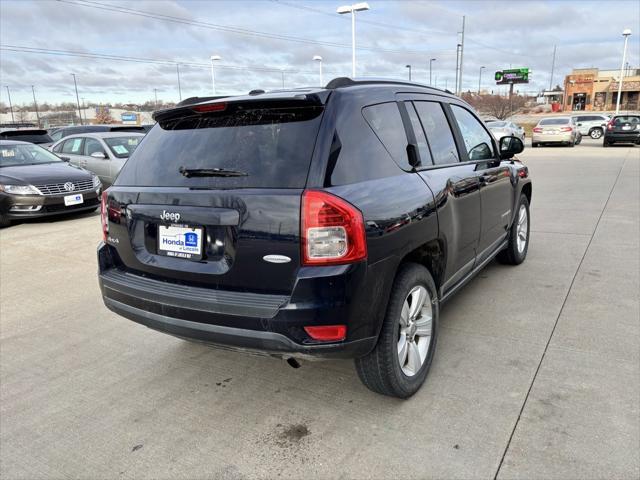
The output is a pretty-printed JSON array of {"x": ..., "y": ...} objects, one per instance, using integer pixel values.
[
  {"x": 318, "y": 58},
  {"x": 409, "y": 67},
  {"x": 431, "y": 60},
  {"x": 214, "y": 58},
  {"x": 84, "y": 110},
  {"x": 77, "y": 97},
  {"x": 10, "y": 106},
  {"x": 35, "y": 104},
  {"x": 352, "y": 9},
  {"x": 155, "y": 94},
  {"x": 480, "y": 79},
  {"x": 626, "y": 33},
  {"x": 179, "y": 87}
]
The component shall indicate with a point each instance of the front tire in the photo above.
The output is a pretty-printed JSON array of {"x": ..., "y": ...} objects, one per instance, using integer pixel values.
[
  {"x": 516, "y": 250},
  {"x": 400, "y": 361}
]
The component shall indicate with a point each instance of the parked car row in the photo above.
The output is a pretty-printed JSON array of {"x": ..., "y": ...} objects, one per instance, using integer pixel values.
[{"x": 568, "y": 130}]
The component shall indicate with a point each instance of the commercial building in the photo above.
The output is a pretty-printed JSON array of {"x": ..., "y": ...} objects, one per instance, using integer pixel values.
[{"x": 594, "y": 89}]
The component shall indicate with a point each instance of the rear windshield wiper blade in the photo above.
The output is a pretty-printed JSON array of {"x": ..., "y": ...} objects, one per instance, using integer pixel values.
[{"x": 211, "y": 172}]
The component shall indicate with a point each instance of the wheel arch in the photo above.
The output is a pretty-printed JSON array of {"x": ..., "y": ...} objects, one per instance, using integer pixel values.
[{"x": 432, "y": 256}]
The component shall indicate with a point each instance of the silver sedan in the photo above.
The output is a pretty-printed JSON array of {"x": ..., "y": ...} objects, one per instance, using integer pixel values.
[{"x": 504, "y": 128}]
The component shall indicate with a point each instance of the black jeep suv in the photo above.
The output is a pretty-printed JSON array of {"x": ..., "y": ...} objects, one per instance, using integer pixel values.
[{"x": 325, "y": 222}]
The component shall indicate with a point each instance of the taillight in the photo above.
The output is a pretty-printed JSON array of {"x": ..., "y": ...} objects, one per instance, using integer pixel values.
[
  {"x": 103, "y": 216},
  {"x": 209, "y": 107},
  {"x": 327, "y": 333},
  {"x": 610, "y": 125},
  {"x": 332, "y": 230},
  {"x": 566, "y": 129},
  {"x": 537, "y": 130}
]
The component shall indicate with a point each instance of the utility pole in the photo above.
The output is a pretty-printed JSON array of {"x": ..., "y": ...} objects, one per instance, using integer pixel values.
[
  {"x": 179, "y": 87},
  {"x": 35, "y": 104},
  {"x": 282, "y": 73},
  {"x": 10, "y": 106},
  {"x": 457, "y": 67},
  {"x": 553, "y": 66},
  {"x": 461, "y": 56},
  {"x": 409, "y": 67},
  {"x": 626, "y": 33},
  {"x": 431, "y": 60},
  {"x": 155, "y": 94},
  {"x": 77, "y": 97},
  {"x": 480, "y": 79},
  {"x": 84, "y": 110}
]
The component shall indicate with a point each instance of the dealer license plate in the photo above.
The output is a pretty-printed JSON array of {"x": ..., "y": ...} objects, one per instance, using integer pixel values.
[
  {"x": 180, "y": 242},
  {"x": 73, "y": 199}
]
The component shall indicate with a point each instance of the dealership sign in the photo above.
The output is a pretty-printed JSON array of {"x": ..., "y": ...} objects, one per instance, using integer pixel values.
[
  {"x": 514, "y": 75},
  {"x": 129, "y": 117}
]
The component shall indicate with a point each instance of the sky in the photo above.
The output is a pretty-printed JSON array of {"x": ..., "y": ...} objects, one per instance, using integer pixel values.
[{"x": 263, "y": 43}]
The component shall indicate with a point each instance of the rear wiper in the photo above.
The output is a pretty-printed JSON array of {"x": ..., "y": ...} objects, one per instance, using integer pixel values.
[{"x": 211, "y": 172}]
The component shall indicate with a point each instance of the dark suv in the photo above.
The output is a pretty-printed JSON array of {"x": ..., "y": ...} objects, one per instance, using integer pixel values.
[{"x": 327, "y": 222}]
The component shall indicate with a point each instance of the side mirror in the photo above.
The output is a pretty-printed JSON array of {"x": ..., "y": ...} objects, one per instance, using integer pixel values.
[
  {"x": 65, "y": 159},
  {"x": 412, "y": 154},
  {"x": 98, "y": 155},
  {"x": 510, "y": 146}
]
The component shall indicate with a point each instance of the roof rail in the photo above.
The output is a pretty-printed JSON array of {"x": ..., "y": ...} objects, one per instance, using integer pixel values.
[
  {"x": 342, "y": 82},
  {"x": 192, "y": 100}
]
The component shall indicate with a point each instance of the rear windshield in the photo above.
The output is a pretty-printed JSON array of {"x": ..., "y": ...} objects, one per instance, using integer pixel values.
[
  {"x": 496, "y": 124},
  {"x": 262, "y": 147},
  {"x": 122, "y": 147},
  {"x": 27, "y": 136},
  {"x": 554, "y": 121},
  {"x": 632, "y": 119}
]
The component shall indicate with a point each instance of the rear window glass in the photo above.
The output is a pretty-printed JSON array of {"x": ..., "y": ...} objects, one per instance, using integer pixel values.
[
  {"x": 27, "y": 137},
  {"x": 262, "y": 147},
  {"x": 626, "y": 119},
  {"x": 122, "y": 147},
  {"x": 554, "y": 121}
]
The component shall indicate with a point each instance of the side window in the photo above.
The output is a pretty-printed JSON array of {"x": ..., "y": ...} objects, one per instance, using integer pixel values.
[
  {"x": 73, "y": 146},
  {"x": 476, "y": 139},
  {"x": 386, "y": 122},
  {"x": 58, "y": 147},
  {"x": 421, "y": 140},
  {"x": 91, "y": 145},
  {"x": 56, "y": 135},
  {"x": 439, "y": 136}
]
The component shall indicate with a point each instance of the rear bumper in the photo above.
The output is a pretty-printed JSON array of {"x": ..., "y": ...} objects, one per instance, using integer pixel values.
[
  {"x": 632, "y": 137},
  {"x": 255, "y": 322},
  {"x": 542, "y": 138},
  {"x": 36, "y": 206}
]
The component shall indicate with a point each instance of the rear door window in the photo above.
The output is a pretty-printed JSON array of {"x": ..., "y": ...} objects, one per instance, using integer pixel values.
[
  {"x": 262, "y": 146},
  {"x": 73, "y": 146},
  {"x": 386, "y": 122},
  {"x": 438, "y": 131},
  {"x": 421, "y": 140},
  {"x": 477, "y": 140}
]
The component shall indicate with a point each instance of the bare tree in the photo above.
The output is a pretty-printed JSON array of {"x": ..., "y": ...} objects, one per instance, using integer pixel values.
[
  {"x": 22, "y": 115},
  {"x": 103, "y": 116},
  {"x": 496, "y": 105}
]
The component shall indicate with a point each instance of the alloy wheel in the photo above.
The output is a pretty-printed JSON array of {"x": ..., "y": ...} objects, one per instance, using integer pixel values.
[
  {"x": 523, "y": 228},
  {"x": 416, "y": 328}
]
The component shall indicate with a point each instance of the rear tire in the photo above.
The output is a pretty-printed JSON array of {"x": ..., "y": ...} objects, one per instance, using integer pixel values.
[
  {"x": 535, "y": 145},
  {"x": 518, "y": 244},
  {"x": 605, "y": 144},
  {"x": 400, "y": 361},
  {"x": 596, "y": 133}
]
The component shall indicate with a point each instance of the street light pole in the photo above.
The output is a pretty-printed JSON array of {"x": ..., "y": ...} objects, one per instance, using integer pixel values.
[
  {"x": 318, "y": 58},
  {"x": 625, "y": 34},
  {"x": 213, "y": 78},
  {"x": 155, "y": 94},
  {"x": 179, "y": 87},
  {"x": 10, "y": 106},
  {"x": 480, "y": 79},
  {"x": 409, "y": 67},
  {"x": 352, "y": 9},
  {"x": 431, "y": 60},
  {"x": 77, "y": 97},
  {"x": 84, "y": 110},
  {"x": 35, "y": 104}
]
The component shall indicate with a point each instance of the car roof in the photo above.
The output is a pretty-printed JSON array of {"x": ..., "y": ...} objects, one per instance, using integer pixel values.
[
  {"x": 318, "y": 95},
  {"x": 120, "y": 133},
  {"x": 555, "y": 118},
  {"x": 15, "y": 142}
]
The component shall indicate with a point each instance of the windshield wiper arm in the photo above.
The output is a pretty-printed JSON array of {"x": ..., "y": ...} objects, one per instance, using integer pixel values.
[{"x": 211, "y": 172}]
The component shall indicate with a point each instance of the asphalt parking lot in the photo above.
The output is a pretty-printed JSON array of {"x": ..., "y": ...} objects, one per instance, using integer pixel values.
[{"x": 537, "y": 371}]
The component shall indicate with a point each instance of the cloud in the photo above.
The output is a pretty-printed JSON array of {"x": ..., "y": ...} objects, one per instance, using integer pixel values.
[{"x": 498, "y": 34}]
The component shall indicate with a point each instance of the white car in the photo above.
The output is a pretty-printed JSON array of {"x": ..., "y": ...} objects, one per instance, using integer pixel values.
[
  {"x": 504, "y": 128},
  {"x": 592, "y": 125},
  {"x": 103, "y": 153}
]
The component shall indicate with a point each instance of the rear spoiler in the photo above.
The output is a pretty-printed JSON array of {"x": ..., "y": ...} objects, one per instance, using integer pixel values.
[
  {"x": 23, "y": 131},
  {"x": 254, "y": 101},
  {"x": 127, "y": 128}
]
